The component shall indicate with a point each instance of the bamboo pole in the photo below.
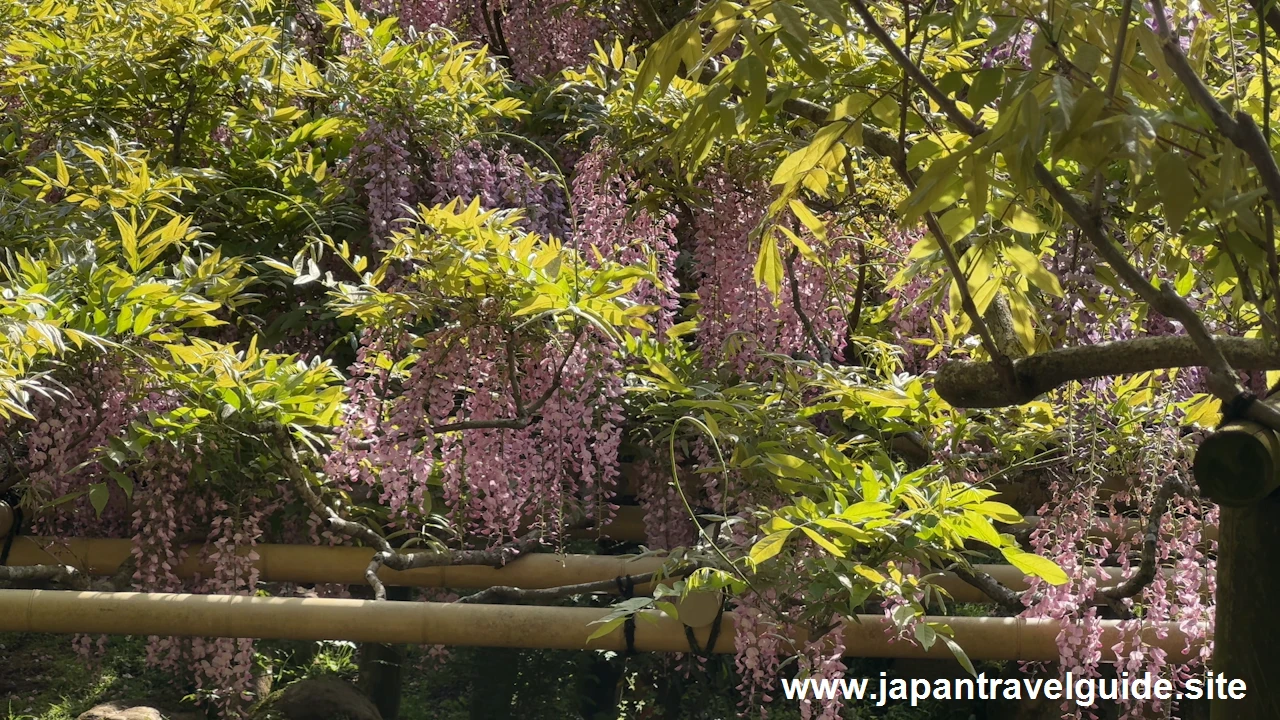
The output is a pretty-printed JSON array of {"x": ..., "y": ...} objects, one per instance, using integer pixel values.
[
  {"x": 512, "y": 626},
  {"x": 344, "y": 565},
  {"x": 1239, "y": 464}
]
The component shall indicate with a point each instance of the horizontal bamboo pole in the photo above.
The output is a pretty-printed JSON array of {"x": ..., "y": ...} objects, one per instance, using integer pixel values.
[
  {"x": 343, "y": 565},
  {"x": 513, "y": 626},
  {"x": 308, "y": 564}
]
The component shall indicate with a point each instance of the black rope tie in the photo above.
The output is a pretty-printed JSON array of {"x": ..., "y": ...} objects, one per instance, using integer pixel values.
[
  {"x": 694, "y": 647},
  {"x": 627, "y": 589},
  {"x": 13, "y": 533},
  {"x": 1237, "y": 407}
]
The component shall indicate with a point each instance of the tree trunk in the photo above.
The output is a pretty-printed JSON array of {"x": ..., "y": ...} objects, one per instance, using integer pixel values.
[
  {"x": 382, "y": 667},
  {"x": 1247, "y": 624}
]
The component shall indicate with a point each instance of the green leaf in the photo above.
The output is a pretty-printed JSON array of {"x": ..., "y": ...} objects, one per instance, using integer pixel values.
[
  {"x": 124, "y": 481},
  {"x": 768, "y": 270},
  {"x": 1036, "y": 566},
  {"x": 866, "y": 509},
  {"x": 811, "y": 221},
  {"x": 960, "y": 654},
  {"x": 925, "y": 635},
  {"x": 979, "y": 528},
  {"x": 753, "y": 78},
  {"x": 1029, "y": 265},
  {"x": 1177, "y": 188},
  {"x": 998, "y": 511},
  {"x": 823, "y": 542},
  {"x": 768, "y": 547},
  {"x": 1153, "y": 50},
  {"x": 986, "y": 86},
  {"x": 957, "y": 223},
  {"x": 1019, "y": 219},
  {"x": 829, "y": 10},
  {"x": 606, "y": 628},
  {"x": 800, "y": 162},
  {"x": 668, "y": 608},
  {"x": 98, "y": 496},
  {"x": 64, "y": 178},
  {"x": 869, "y": 573},
  {"x": 791, "y": 466}
]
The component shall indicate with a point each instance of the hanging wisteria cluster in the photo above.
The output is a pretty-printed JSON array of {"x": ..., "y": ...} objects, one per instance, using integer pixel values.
[
  {"x": 503, "y": 179},
  {"x": 739, "y": 317},
  {"x": 539, "y": 38},
  {"x": 159, "y": 512}
]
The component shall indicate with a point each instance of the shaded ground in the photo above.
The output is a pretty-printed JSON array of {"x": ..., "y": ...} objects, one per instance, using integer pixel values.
[{"x": 44, "y": 678}]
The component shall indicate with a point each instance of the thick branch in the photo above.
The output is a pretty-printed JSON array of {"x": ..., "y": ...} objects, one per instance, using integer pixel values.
[
  {"x": 1165, "y": 300},
  {"x": 1010, "y": 600},
  {"x": 64, "y": 575},
  {"x": 500, "y": 594},
  {"x": 977, "y": 384}
]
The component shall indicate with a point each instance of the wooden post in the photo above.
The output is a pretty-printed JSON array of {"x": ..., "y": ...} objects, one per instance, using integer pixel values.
[
  {"x": 1238, "y": 467},
  {"x": 382, "y": 667},
  {"x": 1247, "y": 626}
]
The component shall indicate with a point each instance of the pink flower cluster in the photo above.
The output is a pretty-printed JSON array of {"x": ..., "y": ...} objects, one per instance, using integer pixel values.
[
  {"x": 758, "y": 649},
  {"x": 610, "y": 226},
  {"x": 503, "y": 180},
  {"x": 740, "y": 318},
  {"x": 541, "y": 38},
  {"x": 383, "y": 163},
  {"x": 823, "y": 659},
  {"x": 495, "y": 479}
]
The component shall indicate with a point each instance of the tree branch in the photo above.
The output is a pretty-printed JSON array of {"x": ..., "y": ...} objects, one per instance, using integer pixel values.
[
  {"x": 500, "y": 594},
  {"x": 1242, "y": 131},
  {"x": 824, "y": 352},
  {"x": 64, "y": 575},
  {"x": 1010, "y": 600},
  {"x": 971, "y": 384},
  {"x": 1148, "y": 566},
  {"x": 1165, "y": 300},
  {"x": 913, "y": 72},
  {"x": 860, "y": 290}
]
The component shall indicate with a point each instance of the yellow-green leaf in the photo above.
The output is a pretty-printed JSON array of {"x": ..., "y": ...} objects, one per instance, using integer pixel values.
[
  {"x": 823, "y": 542},
  {"x": 768, "y": 547},
  {"x": 768, "y": 270},
  {"x": 1037, "y": 566},
  {"x": 998, "y": 511},
  {"x": 869, "y": 573},
  {"x": 1029, "y": 265},
  {"x": 1177, "y": 188}
]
